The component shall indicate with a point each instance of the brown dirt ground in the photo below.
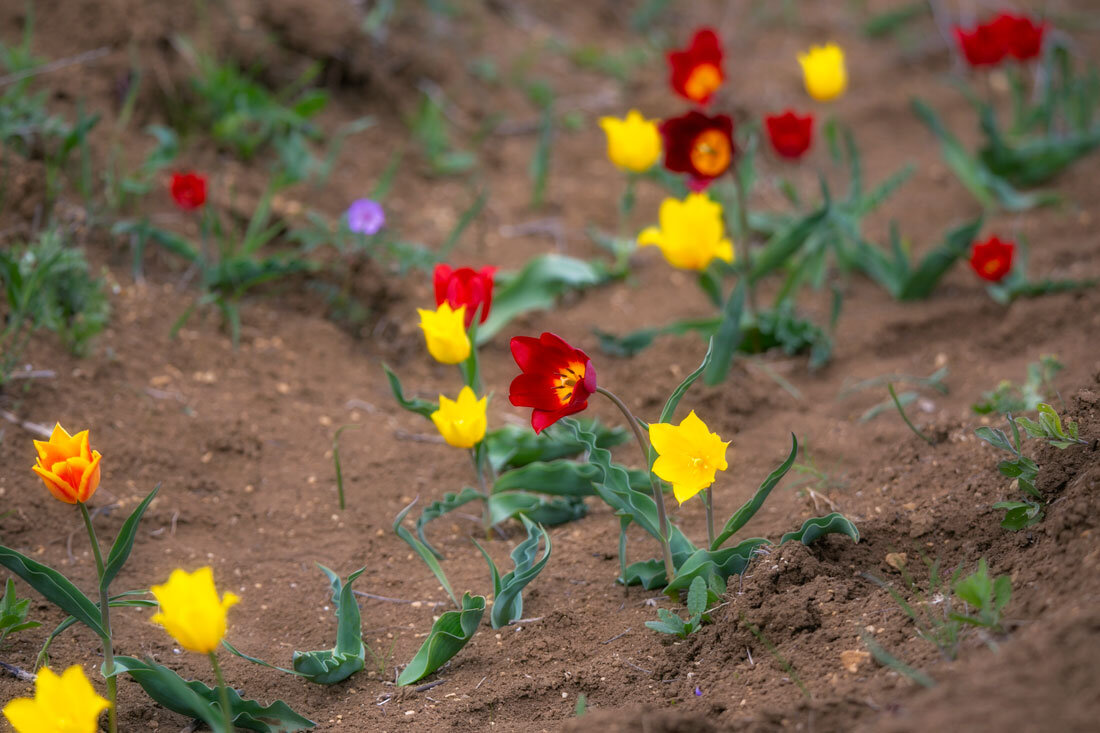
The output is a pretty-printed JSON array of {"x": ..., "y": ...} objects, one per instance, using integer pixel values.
[{"x": 241, "y": 439}]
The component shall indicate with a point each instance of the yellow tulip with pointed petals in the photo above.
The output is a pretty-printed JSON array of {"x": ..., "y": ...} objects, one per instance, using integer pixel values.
[
  {"x": 691, "y": 234},
  {"x": 461, "y": 422},
  {"x": 633, "y": 142},
  {"x": 67, "y": 465},
  {"x": 190, "y": 609},
  {"x": 688, "y": 455},
  {"x": 445, "y": 333},
  {"x": 65, "y": 703}
]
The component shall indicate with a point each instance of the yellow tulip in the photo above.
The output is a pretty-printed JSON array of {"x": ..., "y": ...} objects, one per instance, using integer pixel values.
[
  {"x": 823, "y": 72},
  {"x": 691, "y": 233},
  {"x": 67, "y": 465},
  {"x": 61, "y": 704},
  {"x": 461, "y": 422},
  {"x": 190, "y": 610},
  {"x": 688, "y": 455},
  {"x": 445, "y": 333},
  {"x": 633, "y": 143}
]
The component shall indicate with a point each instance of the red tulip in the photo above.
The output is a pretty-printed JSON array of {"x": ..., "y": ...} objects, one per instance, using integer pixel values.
[
  {"x": 992, "y": 259},
  {"x": 467, "y": 287},
  {"x": 1020, "y": 36},
  {"x": 985, "y": 45},
  {"x": 557, "y": 379},
  {"x": 188, "y": 190},
  {"x": 699, "y": 145},
  {"x": 790, "y": 134},
  {"x": 697, "y": 70}
]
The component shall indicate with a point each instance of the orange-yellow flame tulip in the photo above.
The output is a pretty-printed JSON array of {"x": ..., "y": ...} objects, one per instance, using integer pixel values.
[{"x": 67, "y": 465}]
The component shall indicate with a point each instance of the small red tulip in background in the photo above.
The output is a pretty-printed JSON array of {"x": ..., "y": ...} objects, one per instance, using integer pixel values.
[
  {"x": 1021, "y": 37},
  {"x": 697, "y": 70},
  {"x": 982, "y": 46},
  {"x": 992, "y": 259},
  {"x": 790, "y": 134},
  {"x": 1006, "y": 35},
  {"x": 188, "y": 190},
  {"x": 699, "y": 145},
  {"x": 557, "y": 379},
  {"x": 467, "y": 287}
]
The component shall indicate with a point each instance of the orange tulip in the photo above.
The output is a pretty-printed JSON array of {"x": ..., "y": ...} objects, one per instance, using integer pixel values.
[{"x": 68, "y": 467}]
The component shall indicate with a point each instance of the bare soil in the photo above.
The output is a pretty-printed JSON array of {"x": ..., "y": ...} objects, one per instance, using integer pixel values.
[{"x": 241, "y": 439}]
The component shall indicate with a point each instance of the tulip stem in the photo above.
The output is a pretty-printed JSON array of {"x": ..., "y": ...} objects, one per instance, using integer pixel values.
[
  {"x": 664, "y": 528},
  {"x": 223, "y": 693},
  {"x": 105, "y": 622},
  {"x": 710, "y": 516},
  {"x": 746, "y": 237},
  {"x": 476, "y": 457}
]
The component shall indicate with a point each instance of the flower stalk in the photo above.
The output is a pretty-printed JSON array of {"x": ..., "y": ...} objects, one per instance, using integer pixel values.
[
  {"x": 105, "y": 620},
  {"x": 223, "y": 692},
  {"x": 664, "y": 529}
]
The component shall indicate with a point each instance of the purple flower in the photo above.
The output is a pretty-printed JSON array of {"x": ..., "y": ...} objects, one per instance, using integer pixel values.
[
  {"x": 698, "y": 692},
  {"x": 365, "y": 216}
]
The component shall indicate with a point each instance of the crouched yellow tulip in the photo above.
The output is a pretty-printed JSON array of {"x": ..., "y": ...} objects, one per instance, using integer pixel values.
[
  {"x": 445, "y": 333},
  {"x": 691, "y": 233},
  {"x": 61, "y": 704},
  {"x": 190, "y": 609},
  {"x": 823, "y": 72},
  {"x": 633, "y": 143},
  {"x": 688, "y": 455},
  {"x": 461, "y": 422}
]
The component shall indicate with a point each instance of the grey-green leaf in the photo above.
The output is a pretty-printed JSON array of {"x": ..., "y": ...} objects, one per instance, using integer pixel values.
[
  {"x": 452, "y": 631},
  {"x": 817, "y": 527}
]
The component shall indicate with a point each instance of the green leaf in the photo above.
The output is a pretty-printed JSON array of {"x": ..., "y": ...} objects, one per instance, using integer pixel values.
[
  {"x": 697, "y": 597},
  {"x": 785, "y": 244},
  {"x": 513, "y": 446},
  {"x": 559, "y": 478},
  {"x": 420, "y": 407},
  {"x": 437, "y": 509},
  {"x": 630, "y": 505},
  {"x": 673, "y": 400},
  {"x": 329, "y": 666},
  {"x": 633, "y": 343},
  {"x": 1019, "y": 514},
  {"x": 55, "y": 587},
  {"x": 990, "y": 189},
  {"x": 727, "y": 339},
  {"x": 996, "y": 438},
  {"x": 124, "y": 542},
  {"x": 752, "y": 506},
  {"x": 423, "y": 550},
  {"x": 538, "y": 508},
  {"x": 537, "y": 287},
  {"x": 196, "y": 700},
  {"x": 451, "y": 631},
  {"x": 936, "y": 263},
  {"x": 508, "y": 590},
  {"x": 817, "y": 527},
  {"x": 715, "y": 567}
]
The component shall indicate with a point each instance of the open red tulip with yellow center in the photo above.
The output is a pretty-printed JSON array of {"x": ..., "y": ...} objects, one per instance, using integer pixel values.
[
  {"x": 697, "y": 70},
  {"x": 67, "y": 465},
  {"x": 557, "y": 379},
  {"x": 698, "y": 145},
  {"x": 992, "y": 259}
]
